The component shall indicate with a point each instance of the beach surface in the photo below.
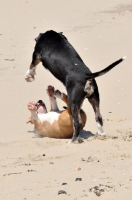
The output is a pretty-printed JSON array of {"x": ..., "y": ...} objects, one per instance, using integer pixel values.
[{"x": 33, "y": 168}]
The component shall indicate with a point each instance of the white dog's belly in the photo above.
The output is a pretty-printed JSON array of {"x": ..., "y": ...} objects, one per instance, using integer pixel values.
[{"x": 49, "y": 117}]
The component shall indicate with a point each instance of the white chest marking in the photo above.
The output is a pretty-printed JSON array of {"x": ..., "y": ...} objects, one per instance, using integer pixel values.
[{"x": 50, "y": 117}]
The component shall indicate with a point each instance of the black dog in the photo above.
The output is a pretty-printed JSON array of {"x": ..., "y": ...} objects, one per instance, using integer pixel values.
[{"x": 60, "y": 58}]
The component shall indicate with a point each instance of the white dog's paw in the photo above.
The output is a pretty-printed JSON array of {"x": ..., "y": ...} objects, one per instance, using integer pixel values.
[
  {"x": 59, "y": 94},
  {"x": 32, "y": 106},
  {"x": 50, "y": 91}
]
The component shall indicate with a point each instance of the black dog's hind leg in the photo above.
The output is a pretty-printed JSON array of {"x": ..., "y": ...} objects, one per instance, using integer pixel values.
[
  {"x": 95, "y": 104},
  {"x": 77, "y": 122},
  {"x": 76, "y": 98},
  {"x": 91, "y": 89}
]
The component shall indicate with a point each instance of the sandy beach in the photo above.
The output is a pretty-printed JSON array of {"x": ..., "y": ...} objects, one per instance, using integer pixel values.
[{"x": 33, "y": 168}]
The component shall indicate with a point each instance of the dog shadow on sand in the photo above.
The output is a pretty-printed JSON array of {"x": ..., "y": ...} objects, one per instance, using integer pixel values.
[
  {"x": 86, "y": 134},
  {"x": 83, "y": 134}
]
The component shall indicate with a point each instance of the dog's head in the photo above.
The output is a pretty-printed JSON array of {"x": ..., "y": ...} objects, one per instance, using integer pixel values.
[
  {"x": 50, "y": 32},
  {"x": 41, "y": 107}
]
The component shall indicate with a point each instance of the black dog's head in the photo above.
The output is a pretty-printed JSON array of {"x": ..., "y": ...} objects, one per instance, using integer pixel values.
[{"x": 41, "y": 34}]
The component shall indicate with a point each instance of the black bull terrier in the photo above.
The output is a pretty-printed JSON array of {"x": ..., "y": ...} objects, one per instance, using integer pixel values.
[{"x": 61, "y": 59}]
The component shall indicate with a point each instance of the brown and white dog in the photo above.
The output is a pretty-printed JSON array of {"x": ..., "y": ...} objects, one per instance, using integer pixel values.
[{"x": 56, "y": 123}]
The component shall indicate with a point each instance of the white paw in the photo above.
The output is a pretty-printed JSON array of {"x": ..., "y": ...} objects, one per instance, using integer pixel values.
[
  {"x": 102, "y": 134},
  {"x": 101, "y": 130},
  {"x": 29, "y": 76},
  {"x": 58, "y": 94}
]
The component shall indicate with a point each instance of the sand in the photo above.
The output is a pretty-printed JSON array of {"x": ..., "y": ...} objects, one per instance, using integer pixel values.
[{"x": 33, "y": 168}]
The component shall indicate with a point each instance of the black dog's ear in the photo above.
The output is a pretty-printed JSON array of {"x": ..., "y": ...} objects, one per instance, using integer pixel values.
[
  {"x": 61, "y": 33},
  {"x": 37, "y": 38}
]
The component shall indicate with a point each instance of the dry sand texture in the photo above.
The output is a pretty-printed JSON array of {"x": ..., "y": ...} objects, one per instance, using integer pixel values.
[{"x": 34, "y": 168}]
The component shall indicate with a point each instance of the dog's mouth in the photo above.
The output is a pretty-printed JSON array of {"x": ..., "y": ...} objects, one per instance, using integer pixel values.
[{"x": 41, "y": 108}]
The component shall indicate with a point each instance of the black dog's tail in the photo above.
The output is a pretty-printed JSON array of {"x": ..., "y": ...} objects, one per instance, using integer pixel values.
[{"x": 102, "y": 72}]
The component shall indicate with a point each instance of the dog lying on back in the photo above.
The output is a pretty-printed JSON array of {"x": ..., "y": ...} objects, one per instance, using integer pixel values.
[{"x": 56, "y": 123}]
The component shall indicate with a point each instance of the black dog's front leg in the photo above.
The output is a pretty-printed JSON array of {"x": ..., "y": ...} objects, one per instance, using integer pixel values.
[
  {"x": 29, "y": 76},
  {"x": 76, "y": 96}
]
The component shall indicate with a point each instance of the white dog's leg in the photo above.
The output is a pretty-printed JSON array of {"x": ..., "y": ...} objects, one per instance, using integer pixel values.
[
  {"x": 52, "y": 98},
  {"x": 53, "y": 103},
  {"x": 32, "y": 107}
]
